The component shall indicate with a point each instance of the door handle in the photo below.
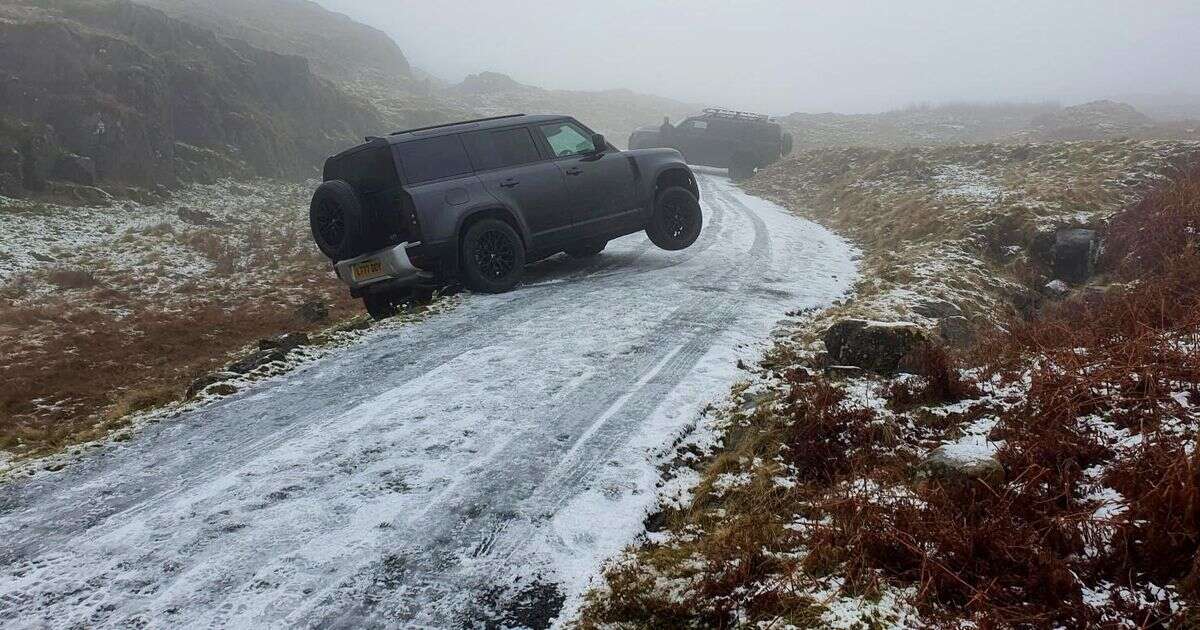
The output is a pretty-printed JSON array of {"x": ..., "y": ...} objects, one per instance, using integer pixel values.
[
  {"x": 574, "y": 171},
  {"x": 510, "y": 183}
]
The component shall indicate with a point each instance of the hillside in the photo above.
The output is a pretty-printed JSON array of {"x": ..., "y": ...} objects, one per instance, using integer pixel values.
[
  {"x": 971, "y": 123},
  {"x": 996, "y": 429},
  {"x": 339, "y": 48},
  {"x": 615, "y": 113},
  {"x": 119, "y": 93}
]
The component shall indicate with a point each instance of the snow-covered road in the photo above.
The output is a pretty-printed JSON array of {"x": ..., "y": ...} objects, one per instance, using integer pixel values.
[{"x": 471, "y": 470}]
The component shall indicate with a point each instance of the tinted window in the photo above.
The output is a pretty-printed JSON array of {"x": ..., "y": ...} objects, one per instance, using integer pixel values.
[
  {"x": 368, "y": 170},
  {"x": 566, "y": 140},
  {"x": 499, "y": 149},
  {"x": 433, "y": 158}
]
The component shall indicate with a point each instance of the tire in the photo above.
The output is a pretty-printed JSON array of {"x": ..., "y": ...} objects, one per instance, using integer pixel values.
[
  {"x": 677, "y": 219},
  {"x": 493, "y": 257},
  {"x": 587, "y": 249},
  {"x": 741, "y": 168},
  {"x": 380, "y": 306},
  {"x": 338, "y": 223}
]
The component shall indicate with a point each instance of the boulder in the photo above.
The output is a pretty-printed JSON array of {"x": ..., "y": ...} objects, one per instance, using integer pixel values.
[
  {"x": 203, "y": 383},
  {"x": 959, "y": 462},
  {"x": 76, "y": 169},
  {"x": 195, "y": 217},
  {"x": 11, "y": 186},
  {"x": 289, "y": 341},
  {"x": 956, "y": 331},
  {"x": 1073, "y": 256},
  {"x": 935, "y": 308},
  {"x": 10, "y": 161},
  {"x": 1057, "y": 289},
  {"x": 880, "y": 347},
  {"x": 258, "y": 359},
  {"x": 313, "y": 312}
]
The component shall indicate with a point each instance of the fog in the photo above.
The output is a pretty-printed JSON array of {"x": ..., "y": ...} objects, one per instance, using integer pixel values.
[{"x": 788, "y": 55}]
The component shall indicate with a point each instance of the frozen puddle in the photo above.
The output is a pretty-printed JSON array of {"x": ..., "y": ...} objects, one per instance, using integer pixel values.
[{"x": 473, "y": 470}]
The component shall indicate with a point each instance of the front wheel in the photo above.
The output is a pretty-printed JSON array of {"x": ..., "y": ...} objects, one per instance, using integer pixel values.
[
  {"x": 677, "y": 219},
  {"x": 493, "y": 257}
]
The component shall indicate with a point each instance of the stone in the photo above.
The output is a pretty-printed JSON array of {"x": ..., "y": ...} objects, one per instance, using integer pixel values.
[
  {"x": 10, "y": 161},
  {"x": 200, "y": 218},
  {"x": 956, "y": 331},
  {"x": 880, "y": 347},
  {"x": 289, "y": 341},
  {"x": 1073, "y": 256},
  {"x": 313, "y": 312},
  {"x": 958, "y": 462},
  {"x": 257, "y": 359},
  {"x": 11, "y": 186},
  {"x": 76, "y": 169},
  {"x": 1057, "y": 289},
  {"x": 935, "y": 308},
  {"x": 202, "y": 383}
]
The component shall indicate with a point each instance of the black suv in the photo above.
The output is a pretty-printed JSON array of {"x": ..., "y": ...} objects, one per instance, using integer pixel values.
[
  {"x": 739, "y": 141},
  {"x": 474, "y": 201}
]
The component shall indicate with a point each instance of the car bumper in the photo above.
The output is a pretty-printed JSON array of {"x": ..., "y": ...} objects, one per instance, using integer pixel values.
[{"x": 390, "y": 267}]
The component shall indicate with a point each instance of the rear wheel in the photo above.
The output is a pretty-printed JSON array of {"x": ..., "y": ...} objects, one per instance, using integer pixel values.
[
  {"x": 677, "y": 219},
  {"x": 587, "y": 250},
  {"x": 381, "y": 306},
  {"x": 493, "y": 257},
  {"x": 337, "y": 220}
]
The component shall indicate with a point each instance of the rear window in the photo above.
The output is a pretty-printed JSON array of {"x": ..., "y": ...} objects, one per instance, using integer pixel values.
[
  {"x": 368, "y": 170},
  {"x": 432, "y": 158},
  {"x": 499, "y": 149}
]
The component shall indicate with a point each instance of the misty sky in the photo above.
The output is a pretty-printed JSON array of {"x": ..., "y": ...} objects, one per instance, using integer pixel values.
[{"x": 793, "y": 55}]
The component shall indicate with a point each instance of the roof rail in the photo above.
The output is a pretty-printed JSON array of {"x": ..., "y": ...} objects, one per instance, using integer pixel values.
[
  {"x": 461, "y": 122},
  {"x": 717, "y": 112}
]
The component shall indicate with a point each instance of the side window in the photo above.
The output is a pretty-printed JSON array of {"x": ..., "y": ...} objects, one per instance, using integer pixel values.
[
  {"x": 567, "y": 140},
  {"x": 698, "y": 125},
  {"x": 500, "y": 149},
  {"x": 433, "y": 158}
]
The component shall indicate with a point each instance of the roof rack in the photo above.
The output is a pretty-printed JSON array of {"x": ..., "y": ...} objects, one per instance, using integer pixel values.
[
  {"x": 717, "y": 112},
  {"x": 453, "y": 124}
]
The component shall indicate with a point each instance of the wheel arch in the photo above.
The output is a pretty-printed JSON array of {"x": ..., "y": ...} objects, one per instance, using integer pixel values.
[
  {"x": 676, "y": 176},
  {"x": 491, "y": 212}
]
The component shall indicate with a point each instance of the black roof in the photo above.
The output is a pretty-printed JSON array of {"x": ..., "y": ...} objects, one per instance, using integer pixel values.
[{"x": 472, "y": 125}]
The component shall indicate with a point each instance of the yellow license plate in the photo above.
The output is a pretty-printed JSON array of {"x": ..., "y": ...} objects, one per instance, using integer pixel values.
[{"x": 366, "y": 270}]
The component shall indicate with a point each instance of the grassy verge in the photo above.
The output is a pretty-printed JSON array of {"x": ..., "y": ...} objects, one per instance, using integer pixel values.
[
  {"x": 826, "y": 506},
  {"x": 120, "y": 309}
]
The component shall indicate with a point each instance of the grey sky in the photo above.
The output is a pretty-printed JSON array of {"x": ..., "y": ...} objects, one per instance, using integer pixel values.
[{"x": 783, "y": 56}]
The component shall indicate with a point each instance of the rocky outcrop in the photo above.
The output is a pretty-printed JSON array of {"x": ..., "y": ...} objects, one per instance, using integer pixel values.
[
  {"x": 958, "y": 463},
  {"x": 1073, "y": 256},
  {"x": 1091, "y": 120},
  {"x": 880, "y": 347},
  {"x": 339, "y": 48},
  {"x": 123, "y": 85}
]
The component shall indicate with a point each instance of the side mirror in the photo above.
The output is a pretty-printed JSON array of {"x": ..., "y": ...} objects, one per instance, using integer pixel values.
[{"x": 600, "y": 144}]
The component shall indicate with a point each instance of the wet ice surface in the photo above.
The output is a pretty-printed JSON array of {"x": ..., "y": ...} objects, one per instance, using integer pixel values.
[{"x": 472, "y": 470}]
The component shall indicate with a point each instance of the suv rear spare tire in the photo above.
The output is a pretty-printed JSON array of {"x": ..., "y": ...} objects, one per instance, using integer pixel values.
[
  {"x": 493, "y": 257},
  {"x": 337, "y": 220},
  {"x": 677, "y": 219}
]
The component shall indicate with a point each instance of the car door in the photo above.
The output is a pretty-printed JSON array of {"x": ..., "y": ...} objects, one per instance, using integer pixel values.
[
  {"x": 515, "y": 171},
  {"x": 600, "y": 183}
]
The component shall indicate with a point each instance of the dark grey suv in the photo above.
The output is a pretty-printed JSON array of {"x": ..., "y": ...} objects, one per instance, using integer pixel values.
[
  {"x": 739, "y": 141},
  {"x": 474, "y": 201}
]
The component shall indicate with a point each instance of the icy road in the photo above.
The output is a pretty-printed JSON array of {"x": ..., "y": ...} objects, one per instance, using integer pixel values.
[{"x": 475, "y": 469}]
